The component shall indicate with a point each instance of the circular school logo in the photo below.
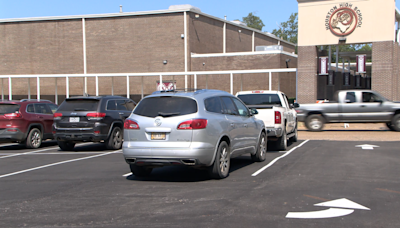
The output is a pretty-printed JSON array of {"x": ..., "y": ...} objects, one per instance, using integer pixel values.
[{"x": 343, "y": 21}]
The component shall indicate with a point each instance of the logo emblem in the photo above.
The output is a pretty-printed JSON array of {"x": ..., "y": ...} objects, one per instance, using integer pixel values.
[
  {"x": 343, "y": 21},
  {"x": 73, "y": 113},
  {"x": 158, "y": 122}
]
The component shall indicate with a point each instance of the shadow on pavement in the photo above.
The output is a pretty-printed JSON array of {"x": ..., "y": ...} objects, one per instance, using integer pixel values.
[
  {"x": 351, "y": 130},
  {"x": 16, "y": 146},
  {"x": 187, "y": 174}
]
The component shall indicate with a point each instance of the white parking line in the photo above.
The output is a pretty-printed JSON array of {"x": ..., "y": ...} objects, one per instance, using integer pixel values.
[
  {"x": 276, "y": 159},
  {"x": 9, "y": 144},
  {"x": 37, "y": 151},
  {"x": 126, "y": 175},
  {"x": 58, "y": 163},
  {"x": 31, "y": 152},
  {"x": 61, "y": 153}
]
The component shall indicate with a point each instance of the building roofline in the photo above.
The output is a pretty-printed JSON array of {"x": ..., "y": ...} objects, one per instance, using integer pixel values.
[
  {"x": 109, "y": 15},
  {"x": 207, "y": 55}
]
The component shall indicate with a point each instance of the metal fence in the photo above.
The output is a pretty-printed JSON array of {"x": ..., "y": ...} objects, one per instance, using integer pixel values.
[{"x": 127, "y": 75}]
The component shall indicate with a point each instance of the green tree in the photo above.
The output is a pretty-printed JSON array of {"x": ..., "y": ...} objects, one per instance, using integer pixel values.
[
  {"x": 351, "y": 47},
  {"x": 288, "y": 29},
  {"x": 253, "y": 21},
  {"x": 348, "y": 48}
]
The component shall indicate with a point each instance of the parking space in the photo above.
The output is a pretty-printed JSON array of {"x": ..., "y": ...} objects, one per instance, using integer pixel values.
[
  {"x": 17, "y": 160},
  {"x": 92, "y": 187}
]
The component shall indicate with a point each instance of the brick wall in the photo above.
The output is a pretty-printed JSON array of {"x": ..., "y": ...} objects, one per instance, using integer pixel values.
[
  {"x": 307, "y": 70},
  {"x": 128, "y": 44},
  {"x": 205, "y": 35},
  {"x": 288, "y": 47},
  {"x": 261, "y": 40},
  {"x": 396, "y": 72},
  {"x": 42, "y": 47},
  {"x": 238, "y": 41},
  {"x": 382, "y": 68},
  {"x": 285, "y": 82},
  {"x": 135, "y": 44}
]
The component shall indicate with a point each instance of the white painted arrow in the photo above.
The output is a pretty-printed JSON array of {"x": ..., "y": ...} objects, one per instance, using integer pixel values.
[
  {"x": 331, "y": 212},
  {"x": 328, "y": 213},
  {"x": 342, "y": 203},
  {"x": 367, "y": 146}
]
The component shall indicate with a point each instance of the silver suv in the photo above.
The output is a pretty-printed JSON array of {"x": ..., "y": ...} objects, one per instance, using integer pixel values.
[{"x": 203, "y": 128}]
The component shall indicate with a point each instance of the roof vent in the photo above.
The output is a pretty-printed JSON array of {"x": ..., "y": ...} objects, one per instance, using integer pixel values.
[
  {"x": 271, "y": 34},
  {"x": 269, "y": 48},
  {"x": 184, "y": 7},
  {"x": 239, "y": 23}
]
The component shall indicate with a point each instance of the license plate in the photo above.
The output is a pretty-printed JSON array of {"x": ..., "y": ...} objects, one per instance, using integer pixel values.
[
  {"x": 74, "y": 119},
  {"x": 157, "y": 136}
]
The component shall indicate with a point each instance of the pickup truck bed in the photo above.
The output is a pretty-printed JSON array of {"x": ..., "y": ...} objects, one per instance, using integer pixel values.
[{"x": 280, "y": 118}]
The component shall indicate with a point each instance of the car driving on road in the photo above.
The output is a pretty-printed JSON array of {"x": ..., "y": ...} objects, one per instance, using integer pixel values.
[
  {"x": 202, "y": 129},
  {"x": 351, "y": 106}
]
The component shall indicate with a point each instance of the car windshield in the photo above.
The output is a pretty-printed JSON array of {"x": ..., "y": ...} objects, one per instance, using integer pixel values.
[
  {"x": 8, "y": 108},
  {"x": 79, "y": 105},
  {"x": 166, "y": 106},
  {"x": 261, "y": 99}
]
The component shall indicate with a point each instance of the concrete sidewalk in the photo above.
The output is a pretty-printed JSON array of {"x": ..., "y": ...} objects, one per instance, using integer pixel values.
[{"x": 354, "y": 132}]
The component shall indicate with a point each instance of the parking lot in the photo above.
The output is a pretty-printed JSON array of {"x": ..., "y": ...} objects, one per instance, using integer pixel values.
[{"x": 93, "y": 187}]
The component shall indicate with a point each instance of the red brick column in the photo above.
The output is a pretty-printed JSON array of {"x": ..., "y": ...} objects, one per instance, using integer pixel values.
[
  {"x": 382, "y": 78},
  {"x": 306, "y": 76},
  {"x": 396, "y": 72}
]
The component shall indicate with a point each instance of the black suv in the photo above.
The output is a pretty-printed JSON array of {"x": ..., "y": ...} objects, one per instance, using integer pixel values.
[{"x": 91, "y": 119}]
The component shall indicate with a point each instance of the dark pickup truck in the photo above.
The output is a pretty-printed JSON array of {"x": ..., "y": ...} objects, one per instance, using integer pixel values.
[{"x": 351, "y": 106}]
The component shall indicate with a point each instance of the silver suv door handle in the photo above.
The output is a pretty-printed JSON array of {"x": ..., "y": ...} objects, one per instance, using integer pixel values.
[
  {"x": 232, "y": 125},
  {"x": 245, "y": 125}
]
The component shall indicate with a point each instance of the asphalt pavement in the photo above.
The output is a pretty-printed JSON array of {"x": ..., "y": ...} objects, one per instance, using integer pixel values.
[{"x": 357, "y": 182}]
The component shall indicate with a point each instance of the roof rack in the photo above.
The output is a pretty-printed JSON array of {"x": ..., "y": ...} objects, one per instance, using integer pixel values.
[
  {"x": 23, "y": 100},
  {"x": 179, "y": 90}
]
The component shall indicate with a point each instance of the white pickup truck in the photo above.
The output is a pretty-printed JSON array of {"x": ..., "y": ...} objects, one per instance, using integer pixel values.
[{"x": 280, "y": 117}]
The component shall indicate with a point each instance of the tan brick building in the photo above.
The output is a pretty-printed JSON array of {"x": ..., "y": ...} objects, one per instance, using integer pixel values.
[
  {"x": 180, "y": 39},
  {"x": 335, "y": 23}
]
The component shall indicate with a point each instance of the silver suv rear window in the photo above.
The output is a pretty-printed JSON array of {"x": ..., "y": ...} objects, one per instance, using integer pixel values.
[
  {"x": 260, "y": 99},
  {"x": 166, "y": 106},
  {"x": 79, "y": 105}
]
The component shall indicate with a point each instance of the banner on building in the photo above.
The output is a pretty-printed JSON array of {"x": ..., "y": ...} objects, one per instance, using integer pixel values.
[
  {"x": 323, "y": 65},
  {"x": 166, "y": 85},
  {"x": 361, "y": 61}
]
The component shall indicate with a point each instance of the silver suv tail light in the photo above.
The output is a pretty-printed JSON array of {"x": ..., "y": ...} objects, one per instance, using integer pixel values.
[
  {"x": 193, "y": 124},
  {"x": 130, "y": 124}
]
